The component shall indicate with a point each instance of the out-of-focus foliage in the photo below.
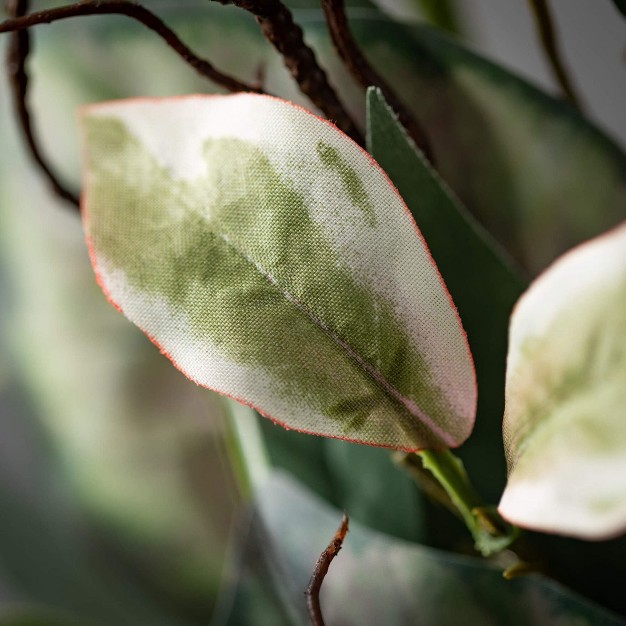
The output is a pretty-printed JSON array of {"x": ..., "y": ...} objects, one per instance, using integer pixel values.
[
  {"x": 138, "y": 448},
  {"x": 115, "y": 502},
  {"x": 386, "y": 580}
]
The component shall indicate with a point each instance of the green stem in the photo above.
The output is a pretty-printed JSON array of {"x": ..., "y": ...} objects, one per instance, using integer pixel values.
[
  {"x": 247, "y": 449},
  {"x": 490, "y": 532}
]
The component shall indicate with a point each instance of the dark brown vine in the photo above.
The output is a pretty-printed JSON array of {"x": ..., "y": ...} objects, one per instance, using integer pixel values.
[
  {"x": 287, "y": 37},
  {"x": 548, "y": 37},
  {"x": 275, "y": 20},
  {"x": 20, "y": 45},
  {"x": 140, "y": 14},
  {"x": 17, "y": 56},
  {"x": 321, "y": 569},
  {"x": 365, "y": 74}
]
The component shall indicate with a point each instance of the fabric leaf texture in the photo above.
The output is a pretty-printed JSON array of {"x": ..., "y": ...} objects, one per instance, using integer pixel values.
[
  {"x": 272, "y": 260},
  {"x": 564, "y": 426}
]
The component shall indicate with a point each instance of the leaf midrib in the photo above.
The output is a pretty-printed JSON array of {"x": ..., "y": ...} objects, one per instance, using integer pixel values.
[{"x": 387, "y": 387}]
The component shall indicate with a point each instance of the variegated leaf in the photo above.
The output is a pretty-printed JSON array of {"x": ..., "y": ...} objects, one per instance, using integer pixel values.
[
  {"x": 272, "y": 260},
  {"x": 565, "y": 416}
]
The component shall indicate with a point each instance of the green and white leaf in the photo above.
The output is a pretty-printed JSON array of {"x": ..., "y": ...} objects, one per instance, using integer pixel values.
[
  {"x": 272, "y": 260},
  {"x": 565, "y": 416},
  {"x": 482, "y": 281},
  {"x": 540, "y": 177}
]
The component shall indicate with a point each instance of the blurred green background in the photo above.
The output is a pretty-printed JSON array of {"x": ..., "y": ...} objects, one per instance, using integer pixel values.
[{"x": 121, "y": 499}]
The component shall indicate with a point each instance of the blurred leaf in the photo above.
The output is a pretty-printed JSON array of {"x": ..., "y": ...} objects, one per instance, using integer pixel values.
[
  {"x": 35, "y": 616},
  {"x": 304, "y": 457},
  {"x": 620, "y": 5},
  {"x": 250, "y": 593},
  {"x": 48, "y": 554},
  {"x": 482, "y": 282},
  {"x": 139, "y": 443},
  {"x": 536, "y": 174},
  {"x": 571, "y": 560},
  {"x": 374, "y": 491},
  {"x": 338, "y": 322},
  {"x": 441, "y": 13},
  {"x": 378, "y": 580},
  {"x": 359, "y": 479},
  {"x": 564, "y": 424}
]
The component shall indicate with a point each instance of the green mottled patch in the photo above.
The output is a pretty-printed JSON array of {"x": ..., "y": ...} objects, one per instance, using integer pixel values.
[
  {"x": 332, "y": 159},
  {"x": 571, "y": 386},
  {"x": 240, "y": 257}
]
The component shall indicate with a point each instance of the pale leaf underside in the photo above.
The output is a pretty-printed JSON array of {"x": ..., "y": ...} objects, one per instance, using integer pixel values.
[{"x": 565, "y": 418}]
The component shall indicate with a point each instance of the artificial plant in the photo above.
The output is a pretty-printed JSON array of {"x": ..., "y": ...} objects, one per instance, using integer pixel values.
[{"x": 274, "y": 261}]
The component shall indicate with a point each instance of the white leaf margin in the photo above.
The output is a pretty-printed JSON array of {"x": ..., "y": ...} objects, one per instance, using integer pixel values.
[
  {"x": 557, "y": 498},
  {"x": 185, "y": 162}
]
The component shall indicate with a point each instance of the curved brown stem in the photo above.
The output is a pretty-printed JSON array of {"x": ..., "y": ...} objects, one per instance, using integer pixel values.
[
  {"x": 548, "y": 37},
  {"x": 321, "y": 569},
  {"x": 287, "y": 37},
  {"x": 19, "y": 23},
  {"x": 17, "y": 55},
  {"x": 140, "y": 14},
  {"x": 365, "y": 74}
]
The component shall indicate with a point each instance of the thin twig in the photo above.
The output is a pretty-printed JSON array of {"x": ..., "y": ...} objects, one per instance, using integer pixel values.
[
  {"x": 321, "y": 569},
  {"x": 287, "y": 37},
  {"x": 548, "y": 37},
  {"x": 17, "y": 55},
  {"x": 365, "y": 74},
  {"x": 142, "y": 15},
  {"x": 20, "y": 46}
]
